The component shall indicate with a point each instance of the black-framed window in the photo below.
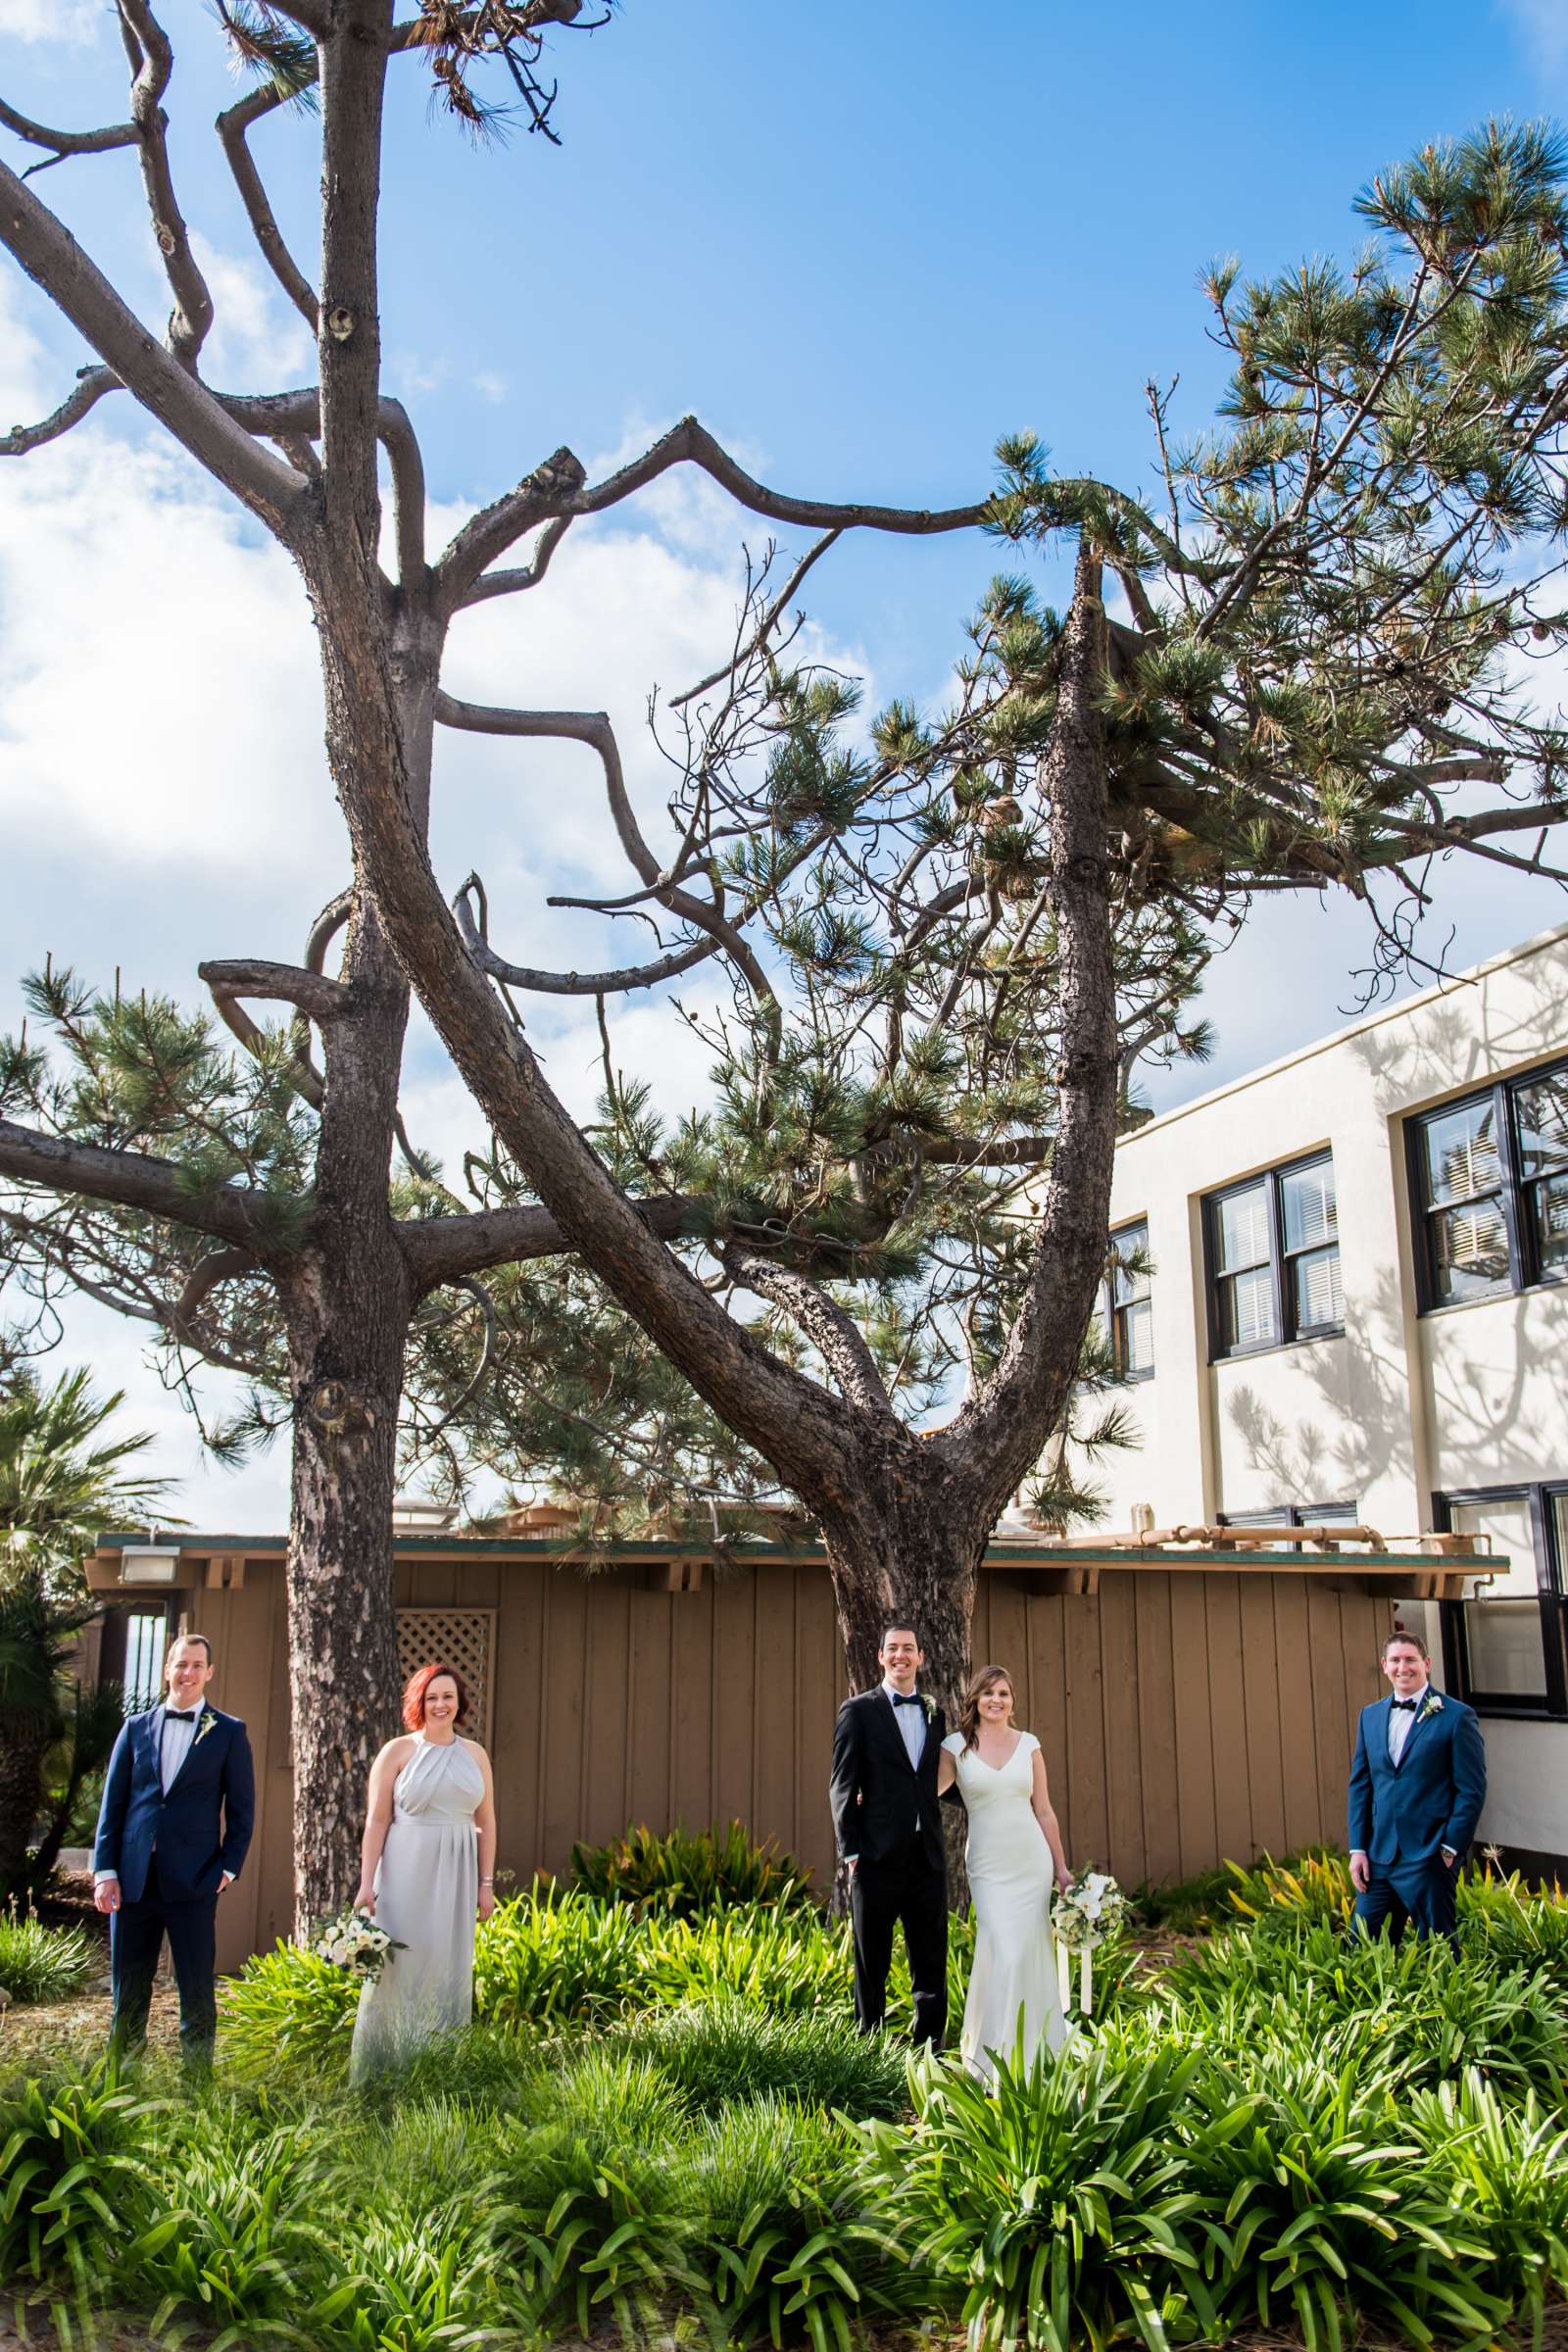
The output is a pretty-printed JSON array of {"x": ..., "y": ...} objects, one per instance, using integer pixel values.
[
  {"x": 1274, "y": 1259},
  {"x": 1489, "y": 1178},
  {"x": 1126, "y": 1308},
  {"x": 1296, "y": 1515},
  {"x": 1505, "y": 1648}
]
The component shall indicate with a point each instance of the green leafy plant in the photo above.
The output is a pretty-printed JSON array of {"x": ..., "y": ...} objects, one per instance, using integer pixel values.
[
  {"x": 1313, "y": 2196},
  {"x": 688, "y": 1875},
  {"x": 69, "y": 2177},
  {"x": 727, "y": 2050},
  {"x": 421, "y": 2281},
  {"x": 1057, "y": 2211},
  {"x": 789, "y": 1962},
  {"x": 39, "y": 1963},
  {"x": 590, "y": 2210},
  {"x": 781, "y": 2244},
  {"x": 1505, "y": 2173},
  {"x": 289, "y": 2009},
  {"x": 543, "y": 1959},
  {"x": 233, "y": 2236}
]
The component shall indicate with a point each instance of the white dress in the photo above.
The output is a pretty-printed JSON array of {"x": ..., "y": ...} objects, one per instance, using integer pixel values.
[
  {"x": 1011, "y": 1875},
  {"x": 427, "y": 1897}
]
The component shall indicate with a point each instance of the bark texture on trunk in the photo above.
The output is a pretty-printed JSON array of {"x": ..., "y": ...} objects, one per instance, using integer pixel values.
[
  {"x": 348, "y": 1301},
  {"x": 21, "y": 1753}
]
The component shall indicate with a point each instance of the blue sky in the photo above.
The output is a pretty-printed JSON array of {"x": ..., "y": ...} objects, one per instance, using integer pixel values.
[{"x": 861, "y": 243}]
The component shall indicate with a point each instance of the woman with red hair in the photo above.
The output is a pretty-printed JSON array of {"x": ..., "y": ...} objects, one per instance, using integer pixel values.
[{"x": 426, "y": 1870}]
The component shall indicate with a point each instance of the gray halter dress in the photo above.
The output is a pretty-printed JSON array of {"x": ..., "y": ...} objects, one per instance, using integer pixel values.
[{"x": 427, "y": 1898}]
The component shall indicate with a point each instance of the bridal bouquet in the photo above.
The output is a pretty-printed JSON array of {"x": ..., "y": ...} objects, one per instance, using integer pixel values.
[
  {"x": 1091, "y": 1910},
  {"x": 352, "y": 1943}
]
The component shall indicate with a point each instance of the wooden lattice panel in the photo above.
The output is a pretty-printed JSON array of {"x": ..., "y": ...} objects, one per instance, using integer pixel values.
[{"x": 461, "y": 1638}]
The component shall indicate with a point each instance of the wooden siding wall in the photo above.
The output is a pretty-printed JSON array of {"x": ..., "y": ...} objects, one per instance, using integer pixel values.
[{"x": 1185, "y": 1717}]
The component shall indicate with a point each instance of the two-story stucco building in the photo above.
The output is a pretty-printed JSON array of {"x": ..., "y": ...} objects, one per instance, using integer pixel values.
[{"x": 1345, "y": 1298}]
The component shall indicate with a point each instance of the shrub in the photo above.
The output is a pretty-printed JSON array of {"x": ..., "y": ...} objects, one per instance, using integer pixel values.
[
  {"x": 686, "y": 1875},
  {"x": 724, "y": 2050},
  {"x": 589, "y": 2208},
  {"x": 1313, "y": 2194},
  {"x": 789, "y": 1962},
  {"x": 68, "y": 2178},
  {"x": 778, "y": 2248},
  {"x": 1506, "y": 2172},
  {"x": 232, "y": 2240},
  {"x": 1060, "y": 2209},
  {"x": 422, "y": 2281},
  {"x": 1434, "y": 2015},
  {"x": 39, "y": 1963},
  {"x": 289, "y": 2009},
  {"x": 547, "y": 1959},
  {"x": 1513, "y": 1923},
  {"x": 1311, "y": 1886}
]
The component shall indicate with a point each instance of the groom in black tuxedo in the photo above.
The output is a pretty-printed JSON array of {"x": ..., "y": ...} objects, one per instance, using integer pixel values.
[
  {"x": 179, "y": 1802},
  {"x": 887, "y": 1819}
]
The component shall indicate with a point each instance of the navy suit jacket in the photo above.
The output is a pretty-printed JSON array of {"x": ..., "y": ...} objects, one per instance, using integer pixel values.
[
  {"x": 200, "y": 1828},
  {"x": 1432, "y": 1798}
]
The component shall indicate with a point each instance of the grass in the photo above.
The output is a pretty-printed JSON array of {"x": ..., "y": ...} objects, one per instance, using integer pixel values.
[{"x": 663, "y": 2124}]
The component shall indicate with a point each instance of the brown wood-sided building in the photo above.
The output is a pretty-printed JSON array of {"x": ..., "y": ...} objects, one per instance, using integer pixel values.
[{"x": 1193, "y": 1707}]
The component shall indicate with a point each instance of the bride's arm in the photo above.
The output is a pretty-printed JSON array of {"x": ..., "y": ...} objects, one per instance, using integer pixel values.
[
  {"x": 1046, "y": 1815},
  {"x": 947, "y": 1771}
]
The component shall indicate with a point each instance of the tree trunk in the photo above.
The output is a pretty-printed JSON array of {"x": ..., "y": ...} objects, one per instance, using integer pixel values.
[
  {"x": 907, "y": 1551},
  {"x": 26, "y": 1743},
  {"x": 348, "y": 1301}
]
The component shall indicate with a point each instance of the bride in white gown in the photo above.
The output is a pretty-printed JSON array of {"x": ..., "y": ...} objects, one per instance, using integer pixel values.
[{"x": 1014, "y": 1853}]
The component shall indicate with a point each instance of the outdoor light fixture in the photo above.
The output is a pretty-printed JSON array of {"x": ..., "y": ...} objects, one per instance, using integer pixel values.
[{"x": 149, "y": 1564}]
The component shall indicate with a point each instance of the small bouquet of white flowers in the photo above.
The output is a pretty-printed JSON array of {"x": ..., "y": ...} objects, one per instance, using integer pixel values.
[
  {"x": 352, "y": 1940},
  {"x": 1086, "y": 1914}
]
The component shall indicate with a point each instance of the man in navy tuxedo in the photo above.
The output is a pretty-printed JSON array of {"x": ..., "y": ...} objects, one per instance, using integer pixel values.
[
  {"x": 1417, "y": 1785},
  {"x": 179, "y": 1802}
]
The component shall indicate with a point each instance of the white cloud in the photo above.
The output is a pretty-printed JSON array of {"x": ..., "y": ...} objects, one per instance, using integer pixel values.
[
  {"x": 257, "y": 338},
  {"x": 78, "y": 22},
  {"x": 490, "y": 386},
  {"x": 1543, "y": 28}
]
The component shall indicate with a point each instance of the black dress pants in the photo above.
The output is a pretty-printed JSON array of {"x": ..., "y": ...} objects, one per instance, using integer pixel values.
[
  {"x": 913, "y": 1893},
  {"x": 136, "y": 1933}
]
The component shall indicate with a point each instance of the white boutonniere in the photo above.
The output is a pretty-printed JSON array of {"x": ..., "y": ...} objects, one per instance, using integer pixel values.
[
  {"x": 1431, "y": 1705},
  {"x": 930, "y": 1706},
  {"x": 208, "y": 1723}
]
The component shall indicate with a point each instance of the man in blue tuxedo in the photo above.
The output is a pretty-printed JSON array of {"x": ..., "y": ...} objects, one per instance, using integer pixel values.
[
  {"x": 179, "y": 1802},
  {"x": 1416, "y": 1791}
]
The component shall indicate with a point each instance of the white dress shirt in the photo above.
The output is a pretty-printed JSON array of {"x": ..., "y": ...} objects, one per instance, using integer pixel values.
[
  {"x": 174, "y": 1741},
  {"x": 1401, "y": 1723},
  {"x": 911, "y": 1725}
]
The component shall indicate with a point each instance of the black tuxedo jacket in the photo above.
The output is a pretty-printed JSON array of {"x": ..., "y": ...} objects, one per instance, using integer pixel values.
[{"x": 877, "y": 1794}]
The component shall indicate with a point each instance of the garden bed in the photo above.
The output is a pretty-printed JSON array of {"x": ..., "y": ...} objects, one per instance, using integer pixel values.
[{"x": 662, "y": 2125}]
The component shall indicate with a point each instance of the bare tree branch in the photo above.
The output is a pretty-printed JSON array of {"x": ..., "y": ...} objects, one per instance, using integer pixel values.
[
  {"x": 62, "y": 143},
  {"x": 233, "y": 126},
  {"x": 196, "y": 418},
  {"x": 442, "y": 1249},
  {"x": 151, "y": 62},
  {"x": 282, "y": 983},
  {"x": 768, "y": 624},
  {"x": 593, "y": 727},
  {"x": 218, "y": 1266},
  {"x": 834, "y": 1336},
  {"x": 573, "y": 984},
  {"x": 91, "y": 386},
  {"x": 546, "y": 495},
  {"x": 528, "y": 575}
]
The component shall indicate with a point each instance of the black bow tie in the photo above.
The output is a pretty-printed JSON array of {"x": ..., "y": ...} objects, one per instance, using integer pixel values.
[
  {"x": 900, "y": 1701},
  {"x": 173, "y": 1715},
  {"x": 1405, "y": 1706}
]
